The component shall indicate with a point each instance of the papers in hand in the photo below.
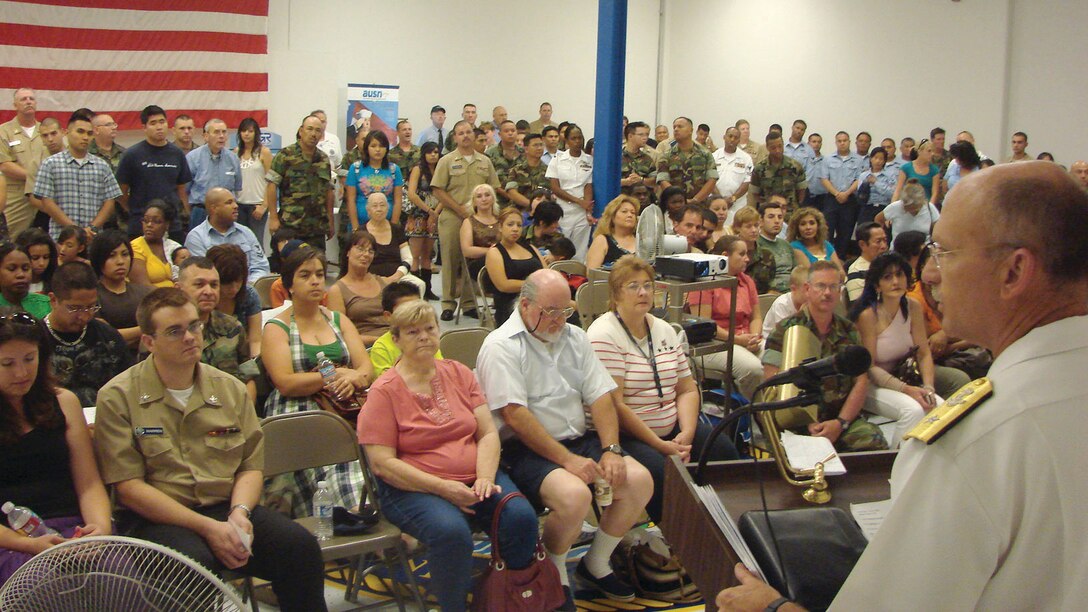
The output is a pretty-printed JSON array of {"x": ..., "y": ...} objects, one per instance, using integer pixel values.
[
  {"x": 870, "y": 516},
  {"x": 728, "y": 526},
  {"x": 246, "y": 538},
  {"x": 804, "y": 452}
]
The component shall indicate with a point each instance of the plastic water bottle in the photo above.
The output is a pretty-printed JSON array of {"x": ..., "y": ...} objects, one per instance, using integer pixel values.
[
  {"x": 323, "y": 511},
  {"x": 326, "y": 367},
  {"x": 602, "y": 492},
  {"x": 25, "y": 521}
]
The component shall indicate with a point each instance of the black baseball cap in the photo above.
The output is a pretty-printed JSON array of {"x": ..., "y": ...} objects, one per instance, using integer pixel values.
[{"x": 437, "y": 109}]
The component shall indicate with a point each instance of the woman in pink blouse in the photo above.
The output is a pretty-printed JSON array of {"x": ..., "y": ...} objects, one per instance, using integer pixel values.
[
  {"x": 429, "y": 436},
  {"x": 748, "y": 322}
]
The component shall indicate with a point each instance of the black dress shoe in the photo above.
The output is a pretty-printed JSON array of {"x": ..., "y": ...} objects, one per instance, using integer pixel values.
[
  {"x": 447, "y": 315},
  {"x": 471, "y": 313}
]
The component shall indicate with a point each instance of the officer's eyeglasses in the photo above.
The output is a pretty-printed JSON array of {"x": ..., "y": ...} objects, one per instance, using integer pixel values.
[{"x": 177, "y": 332}]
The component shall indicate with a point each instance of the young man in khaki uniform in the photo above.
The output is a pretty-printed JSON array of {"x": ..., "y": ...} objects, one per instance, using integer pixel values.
[
  {"x": 180, "y": 442},
  {"x": 456, "y": 175}
]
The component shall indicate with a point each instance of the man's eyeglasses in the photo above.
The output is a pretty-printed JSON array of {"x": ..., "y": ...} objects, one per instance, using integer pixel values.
[
  {"x": 82, "y": 309},
  {"x": 937, "y": 252},
  {"x": 174, "y": 333},
  {"x": 554, "y": 313},
  {"x": 21, "y": 318},
  {"x": 822, "y": 287}
]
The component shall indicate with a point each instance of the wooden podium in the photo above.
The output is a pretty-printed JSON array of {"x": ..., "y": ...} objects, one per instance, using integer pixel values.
[{"x": 695, "y": 537}]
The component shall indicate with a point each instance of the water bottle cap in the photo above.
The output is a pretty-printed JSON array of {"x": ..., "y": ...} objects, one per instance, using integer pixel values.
[
  {"x": 321, "y": 484},
  {"x": 320, "y": 355},
  {"x": 7, "y": 507}
]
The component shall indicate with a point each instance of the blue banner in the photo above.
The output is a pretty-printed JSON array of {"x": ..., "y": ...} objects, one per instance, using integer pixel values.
[{"x": 371, "y": 107}]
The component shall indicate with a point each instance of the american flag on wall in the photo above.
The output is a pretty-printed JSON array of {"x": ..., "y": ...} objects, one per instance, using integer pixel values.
[{"x": 203, "y": 58}]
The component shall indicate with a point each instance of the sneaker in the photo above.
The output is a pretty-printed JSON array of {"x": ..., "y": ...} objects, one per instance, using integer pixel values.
[
  {"x": 612, "y": 587},
  {"x": 568, "y": 601}
]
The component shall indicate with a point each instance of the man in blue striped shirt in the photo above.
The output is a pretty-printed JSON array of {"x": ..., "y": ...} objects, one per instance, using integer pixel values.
[{"x": 212, "y": 165}]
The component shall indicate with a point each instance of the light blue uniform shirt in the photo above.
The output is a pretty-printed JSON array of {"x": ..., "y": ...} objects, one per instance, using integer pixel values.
[
  {"x": 880, "y": 192},
  {"x": 430, "y": 134},
  {"x": 812, "y": 175},
  {"x": 204, "y": 236},
  {"x": 842, "y": 171},
  {"x": 211, "y": 171},
  {"x": 801, "y": 152}
]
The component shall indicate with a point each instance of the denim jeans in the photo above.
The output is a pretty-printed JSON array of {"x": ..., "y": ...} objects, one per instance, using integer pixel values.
[
  {"x": 447, "y": 532},
  {"x": 197, "y": 215},
  {"x": 245, "y": 217}
]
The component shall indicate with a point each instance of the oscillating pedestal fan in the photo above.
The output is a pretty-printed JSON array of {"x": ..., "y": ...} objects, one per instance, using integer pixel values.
[{"x": 115, "y": 573}]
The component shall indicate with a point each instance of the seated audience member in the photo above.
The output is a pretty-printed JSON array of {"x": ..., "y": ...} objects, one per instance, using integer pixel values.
[
  {"x": 690, "y": 227},
  {"x": 673, "y": 203},
  {"x": 392, "y": 257},
  {"x": 642, "y": 194},
  {"x": 872, "y": 241},
  {"x": 72, "y": 245},
  {"x": 293, "y": 339},
  {"x": 762, "y": 266},
  {"x": 384, "y": 353},
  {"x": 435, "y": 451},
  {"x": 225, "y": 346},
  {"x": 280, "y": 239},
  {"x": 152, "y": 252},
  {"x": 47, "y": 460},
  {"x": 910, "y": 245},
  {"x": 540, "y": 382},
  {"x": 543, "y": 226},
  {"x": 748, "y": 324},
  {"x": 876, "y": 185},
  {"x": 357, "y": 293},
  {"x": 720, "y": 207},
  {"x": 973, "y": 361},
  {"x": 843, "y": 396},
  {"x": 509, "y": 263},
  {"x": 912, "y": 212},
  {"x": 42, "y": 252},
  {"x": 807, "y": 234},
  {"x": 277, "y": 295},
  {"x": 787, "y": 304},
  {"x": 480, "y": 230},
  {"x": 87, "y": 352},
  {"x": 236, "y": 298},
  {"x": 656, "y": 398},
  {"x": 771, "y": 217},
  {"x": 562, "y": 249},
  {"x": 892, "y": 327},
  {"x": 111, "y": 259},
  {"x": 15, "y": 282},
  {"x": 197, "y": 501},
  {"x": 615, "y": 235},
  {"x": 710, "y": 225},
  {"x": 965, "y": 160},
  {"x": 222, "y": 227},
  {"x": 179, "y": 255}
]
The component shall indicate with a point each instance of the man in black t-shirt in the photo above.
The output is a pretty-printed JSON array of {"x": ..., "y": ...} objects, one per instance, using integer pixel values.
[
  {"x": 87, "y": 351},
  {"x": 154, "y": 168}
]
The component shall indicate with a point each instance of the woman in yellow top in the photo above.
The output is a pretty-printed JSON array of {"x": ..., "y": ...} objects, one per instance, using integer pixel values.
[{"x": 151, "y": 251}]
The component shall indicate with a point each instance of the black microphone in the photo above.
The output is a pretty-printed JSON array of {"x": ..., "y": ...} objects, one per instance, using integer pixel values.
[{"x": 853, "y": 360}]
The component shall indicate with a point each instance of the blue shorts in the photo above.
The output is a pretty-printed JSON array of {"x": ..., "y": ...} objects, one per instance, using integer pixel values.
[{"x": 528, "y": 469}]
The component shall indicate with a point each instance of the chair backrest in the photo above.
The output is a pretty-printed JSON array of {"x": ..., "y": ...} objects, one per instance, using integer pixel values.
[
  {"x": 263, "y": 287},
  {"x": 765, "y": 301},
  {"x": 463, "y": 345},
  {"x": 307, "y": 439},
  {"x": 591, "y": 301},
  {"x": 569, "y": 266}
]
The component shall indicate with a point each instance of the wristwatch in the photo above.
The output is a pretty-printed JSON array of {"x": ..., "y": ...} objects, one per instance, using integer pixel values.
[
  {"x": 244, "y": 507},
  {"x": 845, "y": 424},
  {"x": 613, "y": 448}
]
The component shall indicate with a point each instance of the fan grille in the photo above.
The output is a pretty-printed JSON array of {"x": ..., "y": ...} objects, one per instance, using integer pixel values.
[{"x": 115, "y": 573}]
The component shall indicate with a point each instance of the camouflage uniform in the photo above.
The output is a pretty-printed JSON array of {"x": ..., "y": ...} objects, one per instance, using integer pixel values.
[
  {"x": 119, "y": 217},
  {"x": 524, "y": 178},
  {"x": 303, "y": 186},
  {"x": 641, "y": 163},
  {"x": 784, "y": 179},
  {"x": 861, "y": 435},
  {"x": 687, "y": 170},
  {"x": 503, "y": 165},
  {"x": 762, "y": 268},
  {"x": 343, "y": 225},
  {"x": 225, "y": 345},
  {"x": 405, "y": 161}
]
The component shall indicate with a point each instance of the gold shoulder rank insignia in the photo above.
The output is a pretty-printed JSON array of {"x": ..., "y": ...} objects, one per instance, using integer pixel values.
[{"x": 943, "y": 417}]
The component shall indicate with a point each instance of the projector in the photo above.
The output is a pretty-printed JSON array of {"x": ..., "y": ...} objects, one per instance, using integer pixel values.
[
  {"x": 699, "y": 330},
  {"x": 691, "y": 266}
]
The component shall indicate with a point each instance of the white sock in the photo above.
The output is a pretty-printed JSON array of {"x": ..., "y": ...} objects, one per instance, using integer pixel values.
[
  {"x": 599, "y": 552},
  {"x": 560, "y": 561}
]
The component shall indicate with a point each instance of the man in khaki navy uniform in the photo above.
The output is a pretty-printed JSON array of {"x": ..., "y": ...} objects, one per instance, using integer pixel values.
[
  {"x": 989, "y": 491},
  {"x": 22, "y": 151},
  {"x": 180, "y": 442},
  {"x": 457, "y": 174}
]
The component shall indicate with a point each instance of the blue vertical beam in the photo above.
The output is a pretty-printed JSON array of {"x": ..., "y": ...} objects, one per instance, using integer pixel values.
[{"x": 608, "y": 120}]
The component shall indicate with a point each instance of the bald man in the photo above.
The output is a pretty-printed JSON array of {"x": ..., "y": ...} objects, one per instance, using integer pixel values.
[
  {"x": 221, "y": 227},
  {"x": 1079, "y": 170},
  {"x": 988, "y": 498}
]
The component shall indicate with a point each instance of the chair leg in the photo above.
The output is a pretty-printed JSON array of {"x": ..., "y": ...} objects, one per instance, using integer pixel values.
[
  {"x": 251, "y": 594},
  {"x": 402, "y": 554}
]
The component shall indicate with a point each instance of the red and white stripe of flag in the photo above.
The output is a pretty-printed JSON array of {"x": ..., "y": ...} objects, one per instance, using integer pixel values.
[{"x": 203, "y": 58}]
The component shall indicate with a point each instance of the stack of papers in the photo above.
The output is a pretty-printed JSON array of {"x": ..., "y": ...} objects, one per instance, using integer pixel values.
[
  {"x": 804, "y": 452},
  {"x": 870, "y": 516},
  {"x": 728, "y": 526}
]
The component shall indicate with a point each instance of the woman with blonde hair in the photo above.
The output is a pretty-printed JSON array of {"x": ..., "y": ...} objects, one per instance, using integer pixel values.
[
  {"x": 510, "y": 262},
  {"x": 807, "y": 234},
  {"x": 615, "y": 235},
  {"x": 480, "y": 230},
  {"x": 922, "y": 168}
]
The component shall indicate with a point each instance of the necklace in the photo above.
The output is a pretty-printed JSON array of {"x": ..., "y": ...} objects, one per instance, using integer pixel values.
[{"x": 49, "y": 326}]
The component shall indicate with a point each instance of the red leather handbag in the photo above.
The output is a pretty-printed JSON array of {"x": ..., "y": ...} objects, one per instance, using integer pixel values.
[{"x": 530, "y": 589}]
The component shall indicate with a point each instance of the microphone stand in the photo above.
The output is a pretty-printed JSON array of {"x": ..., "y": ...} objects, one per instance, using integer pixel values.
[{"x": 810, "y": 395}]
